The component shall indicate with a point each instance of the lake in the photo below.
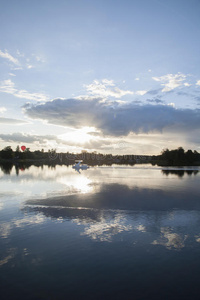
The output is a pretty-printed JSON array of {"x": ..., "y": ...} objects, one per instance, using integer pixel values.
[{"x": 117, "y": 232}]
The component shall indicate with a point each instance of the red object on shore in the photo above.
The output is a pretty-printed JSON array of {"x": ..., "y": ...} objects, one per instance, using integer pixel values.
[{"x": 23, "y": 148}]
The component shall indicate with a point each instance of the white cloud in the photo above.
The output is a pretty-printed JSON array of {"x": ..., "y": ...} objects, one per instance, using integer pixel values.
[
  {"x": 7, "y": 86},
  {"x": 108, "y": 82},
  {"x": 39, "y": 58},
  {"x": 17, "y": 68},
  {"x": 30, "y": 66},
  {"x": 12, "y": 59},
  {"x": 137, "y": 78},
  {"x": 2, "y": 109},
  {"x": 170, "y": 81},
  {"x": 198, "y": 82},
  {"x": 141, "y": 93},
  {"x": 106, "y": 88},
  {"x": 20, "y": 54},
  {"x": 21, "y": 61},
  {"x": 171, "y": 104}
]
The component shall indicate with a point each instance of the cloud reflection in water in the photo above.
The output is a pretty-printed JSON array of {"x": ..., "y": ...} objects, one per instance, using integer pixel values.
[
  {"x": 6, "y": 227},
  {"x": 11, "y": 254},
  {"x": 170, "y": 240},
  {"x": 105, "y": 229},
  {"x": 148, "y": 228}
]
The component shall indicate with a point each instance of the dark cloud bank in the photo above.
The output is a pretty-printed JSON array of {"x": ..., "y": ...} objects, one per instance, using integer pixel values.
[{"x": 114, "y": 118}]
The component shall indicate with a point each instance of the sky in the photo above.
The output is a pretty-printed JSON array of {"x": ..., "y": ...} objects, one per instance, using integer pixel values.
[{"x": 120, "y": 77}]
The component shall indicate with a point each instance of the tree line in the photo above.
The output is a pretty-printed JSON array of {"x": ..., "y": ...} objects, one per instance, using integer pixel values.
[
  {"x": 52, "y": 156},
  {"x": 176, "y": 157}
]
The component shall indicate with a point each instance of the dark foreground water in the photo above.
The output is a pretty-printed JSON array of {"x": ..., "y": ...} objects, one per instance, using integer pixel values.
[{"x": 108, "y": 233}]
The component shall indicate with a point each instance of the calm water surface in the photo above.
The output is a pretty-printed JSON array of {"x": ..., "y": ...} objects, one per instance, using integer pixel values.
[{"x": 115, "y": 232}]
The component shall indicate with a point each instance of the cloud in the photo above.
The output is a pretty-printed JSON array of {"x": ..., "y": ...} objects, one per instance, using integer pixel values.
[
  {"x": 187, "y": 84},
  {"x": 27, "y": 138},
  {"x": 197, "y": 98},
  {"x": 106, "y": 88},
  {"x": 29, "y": 66},
  {"x": 114, "y": 118},
  {"x": 198, "y": 82},
  {"x": 22, "y": 62},
  {"x": 53, "y": 141},
  {"x": 20, "y": 54},
  {"x": 95, "y": 144},
  {"x": 7, "y": 86},
  {"x": 141, "y": 93},
  {"x": 10, "y": 121},
  {"x": 155, "y": 101},
  {"x": 154, "y": 92},
  {"x": 39, "y": 58},
  {"x": 2, "y": 109},
  {"x": 12, "y": 59},
  {"x": 170, "y": 81}
]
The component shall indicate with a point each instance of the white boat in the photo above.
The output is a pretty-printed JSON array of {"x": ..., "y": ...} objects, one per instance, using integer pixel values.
[{"x": 79, "y": 166}]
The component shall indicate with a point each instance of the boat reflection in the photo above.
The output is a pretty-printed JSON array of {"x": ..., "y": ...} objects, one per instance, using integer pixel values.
[{"x": 79, "y": 166}]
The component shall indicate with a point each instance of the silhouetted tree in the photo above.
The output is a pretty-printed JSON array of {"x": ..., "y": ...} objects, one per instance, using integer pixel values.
[{"x": 7, "y": 153}]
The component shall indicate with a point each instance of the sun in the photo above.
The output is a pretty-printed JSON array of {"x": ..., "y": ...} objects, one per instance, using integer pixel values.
[{"x": 78, "y": 136}]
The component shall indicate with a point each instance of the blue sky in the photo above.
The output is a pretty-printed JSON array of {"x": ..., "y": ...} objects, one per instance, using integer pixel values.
[{"x": 110, "y": 76}]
